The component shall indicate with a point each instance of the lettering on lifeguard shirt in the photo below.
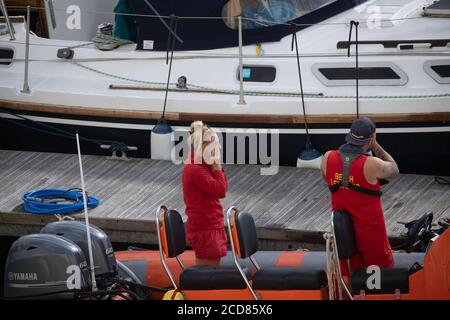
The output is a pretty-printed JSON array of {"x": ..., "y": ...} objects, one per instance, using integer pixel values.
[{"x": 338, "y": 178}]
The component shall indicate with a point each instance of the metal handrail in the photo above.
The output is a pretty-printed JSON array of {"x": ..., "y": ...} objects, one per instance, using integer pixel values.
[
  {"x": 26, "y": 87},
  {"x": 8, "y": 21},
  {"x": 241, "y": 66},
  {"x": 341, "y": 282},
  {"x": 330, "y": 265},
  {"x": 180, "y": 262},
  {"x": 229, "y": 215},
  {"x": 159, "y": 212}
]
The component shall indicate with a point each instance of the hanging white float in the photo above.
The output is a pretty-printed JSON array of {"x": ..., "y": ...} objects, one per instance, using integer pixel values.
[
  {"x": 161, "y": 141},
  {"x": 309, "y": 158}
]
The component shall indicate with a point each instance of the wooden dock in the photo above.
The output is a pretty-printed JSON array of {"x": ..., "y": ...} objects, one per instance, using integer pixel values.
[{"x": 290, "y": 208}]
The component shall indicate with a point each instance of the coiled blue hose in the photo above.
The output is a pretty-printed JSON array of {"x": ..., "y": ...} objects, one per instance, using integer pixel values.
[{"x": 48, "y": 201}]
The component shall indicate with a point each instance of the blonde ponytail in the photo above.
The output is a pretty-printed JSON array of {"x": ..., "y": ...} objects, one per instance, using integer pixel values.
[{"x": 200, "y": 135}]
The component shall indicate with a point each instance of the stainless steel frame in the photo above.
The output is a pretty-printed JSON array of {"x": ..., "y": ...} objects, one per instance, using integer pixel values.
[
  {"x": 241, "y": 75},
  {"x": 341, "y": 282},
  {"x": 180, "y": 262},
  {"x": 26, "y": 87},
  {"x": 8, "y": 21},
  {"x": 255, "y": 263},
  {"x": 159, "y": 213},
  {"x": 229, "y": 215},
  {"x": 330, "y": 264}
]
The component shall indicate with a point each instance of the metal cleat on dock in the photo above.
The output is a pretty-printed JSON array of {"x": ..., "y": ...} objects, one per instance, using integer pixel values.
[{"x": 118, "y": 147}]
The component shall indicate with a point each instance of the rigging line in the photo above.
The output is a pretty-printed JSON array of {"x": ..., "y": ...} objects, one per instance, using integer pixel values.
[
  {"x": 255, "y": 93},
  {"x": 265, "y": 93},
  {"x": 356, "y": 24},
  {"x": 98, "y": 12},
  {"x": 172, "y": 35},
  {"x": 162, "y": 20},
  {"x": 294, "y": 42},
  {"x": 225, "y": 91},
  {"x": 263, "y": 21},
  {"x": 186, "y": 54},
  {"x": 276, "y": 22},
  {"x": 45, "y": 44},
  {"x": 169, "y": 39},
  {"x": 56, "y": 131}
]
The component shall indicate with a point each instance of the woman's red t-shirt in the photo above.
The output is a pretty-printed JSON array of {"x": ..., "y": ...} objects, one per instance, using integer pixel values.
[{"x": 202, "y": 190}]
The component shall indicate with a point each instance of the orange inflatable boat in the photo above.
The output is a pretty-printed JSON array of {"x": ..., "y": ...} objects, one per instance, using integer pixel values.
[
  {"x": 246, "y": 273},
  {"x": 62, "y": 262}
]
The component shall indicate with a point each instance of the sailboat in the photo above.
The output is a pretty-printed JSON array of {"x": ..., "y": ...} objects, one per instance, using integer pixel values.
[{"x": 116, "y": 97}]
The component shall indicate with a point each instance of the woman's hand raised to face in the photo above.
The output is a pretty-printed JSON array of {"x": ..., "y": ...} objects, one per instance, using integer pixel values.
[{"x": 212, "y": 153}]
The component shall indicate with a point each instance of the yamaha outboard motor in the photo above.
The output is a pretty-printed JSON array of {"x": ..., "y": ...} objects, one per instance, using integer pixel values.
[
  {"x": 105, "y": 264},
  {"x": 45, "y": 266}
]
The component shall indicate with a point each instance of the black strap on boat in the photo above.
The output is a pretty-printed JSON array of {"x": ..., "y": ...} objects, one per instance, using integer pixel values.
[
  {"x": 170, "y": 48},
  {"x": 347, "y": 159},
  {"x": 294, "y": 44},
  {"x": 170, "y": 37},
  {"x": 356, "y": 24}
]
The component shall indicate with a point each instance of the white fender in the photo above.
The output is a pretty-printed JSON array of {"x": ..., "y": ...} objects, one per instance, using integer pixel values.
[
  {"x": 310, "y": 164},
  {"x": 309, "y": 158},
  {"x": 161, "y": 141}
]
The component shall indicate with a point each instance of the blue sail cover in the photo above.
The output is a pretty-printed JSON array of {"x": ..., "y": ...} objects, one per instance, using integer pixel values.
[{"x": 203, "y": 34}]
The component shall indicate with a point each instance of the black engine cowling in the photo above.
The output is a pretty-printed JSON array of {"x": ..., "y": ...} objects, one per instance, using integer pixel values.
[
  {"x": 105, "y": 263},
  {"x": 45, "y": 266}
]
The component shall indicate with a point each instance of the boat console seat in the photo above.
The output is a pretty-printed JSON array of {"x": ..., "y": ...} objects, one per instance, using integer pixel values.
[
  {"x": 173, "y": 238},
  {"x": 212, "y": 278},
  {"x": 391, "y": 280},
  {"x": 277, "y": 277},
  {"x": 288, "y": 278}
]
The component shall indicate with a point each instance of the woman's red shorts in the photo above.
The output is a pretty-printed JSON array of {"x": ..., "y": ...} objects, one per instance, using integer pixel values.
[{"x": 208, "y": 244}]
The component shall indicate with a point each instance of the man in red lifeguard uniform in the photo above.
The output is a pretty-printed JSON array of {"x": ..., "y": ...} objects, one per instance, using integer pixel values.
[{"x": 353, "y": 176}]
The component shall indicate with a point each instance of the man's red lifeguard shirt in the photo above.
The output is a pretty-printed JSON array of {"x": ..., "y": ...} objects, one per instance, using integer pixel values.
[
  {"x": 366, "y": 211},
  {"x": 202, "y": 190}
]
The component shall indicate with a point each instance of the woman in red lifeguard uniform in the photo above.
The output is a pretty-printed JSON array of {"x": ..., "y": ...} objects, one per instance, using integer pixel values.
[
  {"x": 204, "y": 184},
  {"x": 362, "y": 198}
]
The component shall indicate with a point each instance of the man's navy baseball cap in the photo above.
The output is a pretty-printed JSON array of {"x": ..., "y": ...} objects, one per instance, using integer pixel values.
[{"x": 361, "y": 132}]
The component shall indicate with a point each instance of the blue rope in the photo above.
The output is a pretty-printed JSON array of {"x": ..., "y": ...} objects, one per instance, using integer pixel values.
[{"x": 47, "y": 201}]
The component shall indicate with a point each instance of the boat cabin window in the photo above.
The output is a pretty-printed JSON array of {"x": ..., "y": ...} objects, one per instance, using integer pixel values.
[
  {"x": 257, "y": 73},
  {"x": 375, "y": 73},
  {"x": 439, "y": 70},
  {"x": 370, "y": 74},
  {"x": 443, "y": 71},
  {"x": 264, "y": 13},
  {"x": 6, "y": 56}
]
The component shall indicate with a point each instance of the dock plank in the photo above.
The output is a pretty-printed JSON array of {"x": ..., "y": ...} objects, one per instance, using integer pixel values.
[{"x": 293, "y": 199}]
